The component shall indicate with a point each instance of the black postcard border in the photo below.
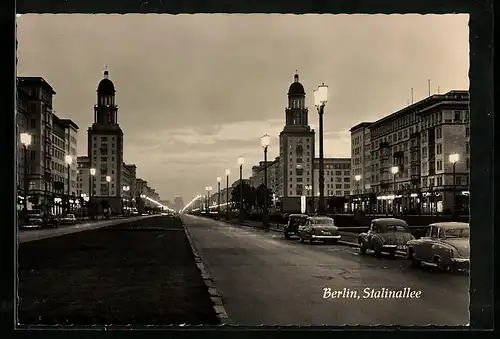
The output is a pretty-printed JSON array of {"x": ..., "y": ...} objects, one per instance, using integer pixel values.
[{"x": 482, "y": 129}]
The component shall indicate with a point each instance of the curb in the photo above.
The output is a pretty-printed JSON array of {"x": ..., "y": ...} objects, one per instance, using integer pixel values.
[{"x": 215, "y": 297}]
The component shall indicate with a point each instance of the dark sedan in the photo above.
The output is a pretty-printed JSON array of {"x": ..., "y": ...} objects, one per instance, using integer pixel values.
[
  {"x": 294, "y": 222},
  {"x": 386, "y": 235},
  {"x": 319, "y": 229}
]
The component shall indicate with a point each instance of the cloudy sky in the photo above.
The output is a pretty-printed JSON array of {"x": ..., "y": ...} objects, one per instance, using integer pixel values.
[{"x": 197, "y": 91}]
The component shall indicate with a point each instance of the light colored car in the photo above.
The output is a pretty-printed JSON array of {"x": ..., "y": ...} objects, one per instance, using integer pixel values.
[
  {"x": 445, "y": 245},
  {"x": 319, "y": 228},
  {"x": 386, "y": 235},
  {"x": 68, "y": 219}
]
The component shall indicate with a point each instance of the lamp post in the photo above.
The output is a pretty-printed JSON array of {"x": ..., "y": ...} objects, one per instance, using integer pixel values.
[
  {"x": 108, "y": 180},
  {"x": 357, "y": 178},
  {"x": 25, "y": 141},
  {"x": 240, "y": 163},
  {"x": 209, "y": 191},
  {"x": 308, "y": 192},
  {"x": 320, "y": 99},
  {"x": 218, "y": 197},
  {"x": 453, "y": 158},
  {"x": 69, "y": 159},
  {"x": 394, "y": 171},
  {"x": 91, "y": 182},
  {"x": 206, "y": 199},
  {"x": 125, "y": 188},
  {"x": 265, "y": 140},
  {"x": 227, "y": 192}
]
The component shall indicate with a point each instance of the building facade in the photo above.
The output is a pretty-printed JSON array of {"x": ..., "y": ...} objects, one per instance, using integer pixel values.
[
  {"x": 105, "y": 146},
  {"x": 52, "y": 139},
  {"x": 410, "y": 149},
  {"x": 83, "y": 176},
  {"x": 296, "y": 145},
  {"x": 360, "y": 159},
  {"x": 337, "y": 175}
]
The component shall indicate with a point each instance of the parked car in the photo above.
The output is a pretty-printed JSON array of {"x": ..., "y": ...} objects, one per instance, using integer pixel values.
[
  {"x": 33, "y": 220},
  {"x": 386, "y": 235},
  {"x": 50, "y": 221},
  {"x": 445, "y": 245},
  {"x": 319, "y": 228},
  {"x": 68, "y": 219},
  {"x": 292, "y": 227}
]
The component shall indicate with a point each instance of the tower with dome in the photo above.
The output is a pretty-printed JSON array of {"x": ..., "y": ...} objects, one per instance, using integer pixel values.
[
  {"x": 105, "y": 146},
  {"x": 296, "y": 146}
]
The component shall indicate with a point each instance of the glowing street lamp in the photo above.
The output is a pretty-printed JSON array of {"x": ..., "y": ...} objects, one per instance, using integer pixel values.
[
  {"x": 25, "y": 139},
  {"x": 218, "y": 196},
  {"x": 240, "y": 163},
  {"x": 320, "y": 100},
  {"x": 394, "y": 171},
  {"x": 92, "y": 173},
  {"x": 265, "y": 140},
  {"x": 108, "y": 180},
  {"x": 454, "y": 158},
  {"x": 227, "y": 192}
]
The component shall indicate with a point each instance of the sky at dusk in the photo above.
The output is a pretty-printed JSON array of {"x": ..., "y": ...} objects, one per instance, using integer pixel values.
[{"x": 194, "y": 92}]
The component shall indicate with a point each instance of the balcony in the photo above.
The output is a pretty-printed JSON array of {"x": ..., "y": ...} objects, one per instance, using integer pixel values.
[{"x": 384, "y": 144}]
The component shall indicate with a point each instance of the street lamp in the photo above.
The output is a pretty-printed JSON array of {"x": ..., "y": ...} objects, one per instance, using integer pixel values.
[
  {"x": 25, "y": 141},
  {"x": 218, "y": 197},
  {"x": 227, "y": 192},
  {"x": 125, "y": 188},
  {"x": 209, "y": 189},
  {"x": 394, "y": 171},
  {"x": 69, "y": 159},
  {"x": 320, "y": 99},
  {"x": 91, "y": 181},
  {"x": 240, "y": 163},
  {"x": 454, "y": 158},
  {"x": 265, "y": 140},
  {"x": 308, "y": 192},
  {"x": 108, "y": 179},
  {"x": 357, "y": 178}
]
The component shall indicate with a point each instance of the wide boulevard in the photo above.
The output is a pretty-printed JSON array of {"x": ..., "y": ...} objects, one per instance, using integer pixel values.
[{"x": 265, "y": 279}]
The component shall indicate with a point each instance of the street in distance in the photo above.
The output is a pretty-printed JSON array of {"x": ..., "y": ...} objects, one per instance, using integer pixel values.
[{"x": 371, "y": 293}]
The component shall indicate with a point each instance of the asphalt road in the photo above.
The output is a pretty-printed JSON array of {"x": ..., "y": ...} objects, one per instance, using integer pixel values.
[{"x": 266, "y": 280}]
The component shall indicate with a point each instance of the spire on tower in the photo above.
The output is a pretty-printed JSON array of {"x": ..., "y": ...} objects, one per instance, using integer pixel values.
[
  {"x": 296, "y": 76},
  {"x": 106, "y": 73}
]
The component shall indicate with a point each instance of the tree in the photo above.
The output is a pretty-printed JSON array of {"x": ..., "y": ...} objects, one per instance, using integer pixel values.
[
  {"x": 249, "y": 195},
  {"x": 261, "y": 194},
  {"x": 140, "y": 204}
]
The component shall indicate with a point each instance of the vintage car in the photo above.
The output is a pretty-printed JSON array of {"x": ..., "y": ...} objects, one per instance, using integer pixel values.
[
  {"x": 294, "y": 222},
  {"x": 50, "y": 221},
  {"x": 33, "y": 220},
  {"x": 319, "y": 228},
  {"x": 445, "y": 245},
  {"x": 386, "y": 235},
  {"x": 68, "y": 219}
]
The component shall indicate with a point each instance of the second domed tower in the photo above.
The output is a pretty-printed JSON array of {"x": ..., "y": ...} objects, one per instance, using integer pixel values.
[{"x": 106, "y": 111}]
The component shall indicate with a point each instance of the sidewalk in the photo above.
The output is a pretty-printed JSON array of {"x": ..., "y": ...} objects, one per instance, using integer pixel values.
[{"x": 38, "y": 234}]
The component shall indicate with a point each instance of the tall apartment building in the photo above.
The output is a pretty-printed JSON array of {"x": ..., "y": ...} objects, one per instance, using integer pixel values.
[
  {"x": 337, "y": 175},
  {"x": 417, "y": 140},
  {"x": 105, "y": 145},
  {"x": 84, "y": 180},
  {"x": 296, "y": 145},
  {"x": 52, "y": 139},
  {"x": 360, "y": 159}
]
